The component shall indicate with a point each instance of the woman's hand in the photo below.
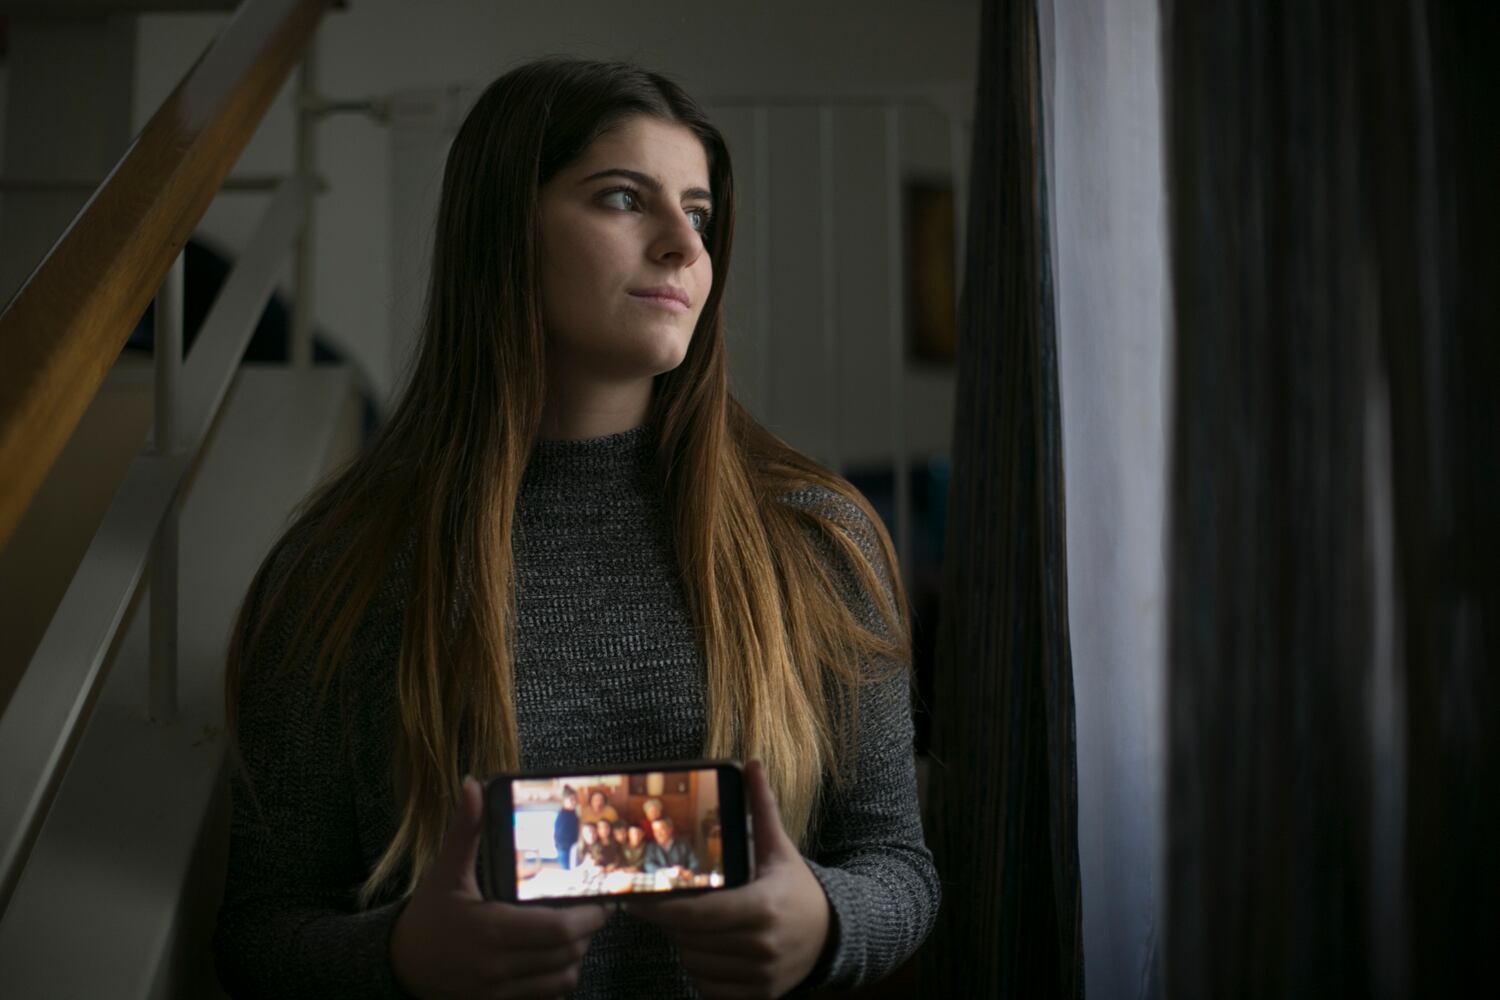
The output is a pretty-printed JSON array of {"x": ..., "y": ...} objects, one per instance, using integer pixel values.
[
  {"x": 451, "y": 942},
  {"x": 759, "y": 940}
]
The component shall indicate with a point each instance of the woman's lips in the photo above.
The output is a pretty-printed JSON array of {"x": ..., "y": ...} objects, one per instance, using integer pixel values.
[{"x": 664, "y": 299}]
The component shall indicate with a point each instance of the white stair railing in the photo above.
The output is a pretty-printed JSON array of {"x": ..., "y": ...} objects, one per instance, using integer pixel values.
[{"x": 45, "y": 716}]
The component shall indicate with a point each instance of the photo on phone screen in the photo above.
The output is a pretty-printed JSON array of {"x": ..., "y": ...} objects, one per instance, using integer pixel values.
[{"x": 584, "y": 835}]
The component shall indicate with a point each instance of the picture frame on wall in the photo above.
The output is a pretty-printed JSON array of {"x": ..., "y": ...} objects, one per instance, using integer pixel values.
[{"x": 931, "y": 273}]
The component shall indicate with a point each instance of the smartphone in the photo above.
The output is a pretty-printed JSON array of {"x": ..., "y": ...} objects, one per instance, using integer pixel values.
[{"x": 666, "y": 829}]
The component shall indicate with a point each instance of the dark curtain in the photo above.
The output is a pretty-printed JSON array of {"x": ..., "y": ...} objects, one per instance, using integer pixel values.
[
  {"x": 1332, "y": 177},
  {"x": 1430, "y": 102},
  {"x": 1268, "y": 846},
  {"x": 1003, "y": 793}
]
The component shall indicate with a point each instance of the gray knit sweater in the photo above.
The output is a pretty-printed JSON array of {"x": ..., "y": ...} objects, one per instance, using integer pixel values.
[{"x": 606, "y": 673}]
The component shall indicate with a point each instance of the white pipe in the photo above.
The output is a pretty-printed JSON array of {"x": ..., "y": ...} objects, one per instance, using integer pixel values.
[
  {"x": 762, "y": 157},
  {"x": 161, "y": 694},
  {"x": 167, "y": 354},
  {"x": 300, "y": 349},
  {"x": 832, "y": 380},
  {"x": 895, "y": 327}
]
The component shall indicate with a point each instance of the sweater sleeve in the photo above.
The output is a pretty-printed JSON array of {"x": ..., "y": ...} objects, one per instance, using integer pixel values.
[
  {"x": 289, "y": 925},
  {"x": 869, "y": 853}
]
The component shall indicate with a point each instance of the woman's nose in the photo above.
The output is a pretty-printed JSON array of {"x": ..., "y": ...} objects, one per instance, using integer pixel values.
[{"x": 678, "y": 239}]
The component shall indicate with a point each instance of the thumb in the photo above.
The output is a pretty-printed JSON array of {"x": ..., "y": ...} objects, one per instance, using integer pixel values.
[
  {"x": 453, "y": 868},
  {"x": 772, "y": 845}
]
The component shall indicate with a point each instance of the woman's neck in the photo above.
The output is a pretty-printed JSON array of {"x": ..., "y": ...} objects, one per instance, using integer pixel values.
[{"x": 578, "y": 409}]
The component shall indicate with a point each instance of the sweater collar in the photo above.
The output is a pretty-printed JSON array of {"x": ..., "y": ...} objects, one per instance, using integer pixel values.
[{"x": 627, "y": 453}]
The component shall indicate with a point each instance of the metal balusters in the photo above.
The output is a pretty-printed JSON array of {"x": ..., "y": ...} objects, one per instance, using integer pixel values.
[
  {"x": 300, "y": 350},
  {"x": 161, "y": 694}
]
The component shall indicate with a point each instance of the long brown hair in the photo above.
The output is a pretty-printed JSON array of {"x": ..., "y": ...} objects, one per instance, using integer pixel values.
[{"x": 783, "y": 650}]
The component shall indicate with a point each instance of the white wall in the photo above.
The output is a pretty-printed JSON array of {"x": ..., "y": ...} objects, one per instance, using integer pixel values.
[
  {"x": 1101, "y": 70},
  {"x": 380, "y": 48},
  {"x": 67, "y": 101}
]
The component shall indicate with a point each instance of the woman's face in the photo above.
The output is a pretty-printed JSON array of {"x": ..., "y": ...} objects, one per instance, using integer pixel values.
[{"x": 625, "y": 270}]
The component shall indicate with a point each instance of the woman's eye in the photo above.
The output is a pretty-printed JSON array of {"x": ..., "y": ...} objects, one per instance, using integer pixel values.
[
  {"x": 700, "y": 217},
  {"x": 621, "y": 198}
]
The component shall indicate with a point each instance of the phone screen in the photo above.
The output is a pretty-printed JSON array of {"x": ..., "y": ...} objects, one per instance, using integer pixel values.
[{"x": 586, "y": 835}]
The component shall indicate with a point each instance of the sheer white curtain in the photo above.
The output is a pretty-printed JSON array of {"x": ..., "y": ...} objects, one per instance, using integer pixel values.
[{"x": 1101, "y": 79}]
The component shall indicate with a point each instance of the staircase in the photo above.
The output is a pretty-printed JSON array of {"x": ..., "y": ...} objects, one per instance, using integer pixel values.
[{"x": 138, "y": 498}]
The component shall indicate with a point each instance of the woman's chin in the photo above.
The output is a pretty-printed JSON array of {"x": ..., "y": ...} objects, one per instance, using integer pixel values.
[
  {"x": 639, "y": 358},
  {"x": 660, "y": 358}
]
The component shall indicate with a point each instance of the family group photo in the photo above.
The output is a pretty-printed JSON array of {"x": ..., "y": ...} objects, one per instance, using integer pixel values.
[{"x": 610, "y": 835}]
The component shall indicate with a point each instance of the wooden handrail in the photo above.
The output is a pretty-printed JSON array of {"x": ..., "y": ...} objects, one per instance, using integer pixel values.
[{"x": 68, "y": 323}]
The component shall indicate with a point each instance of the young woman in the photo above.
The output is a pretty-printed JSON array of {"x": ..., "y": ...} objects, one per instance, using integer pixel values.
[{"x": 571, "y": 547}]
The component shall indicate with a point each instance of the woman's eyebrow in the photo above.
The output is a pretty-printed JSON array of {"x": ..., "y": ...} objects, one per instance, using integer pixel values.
[{"x": 646, "y": 181}]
